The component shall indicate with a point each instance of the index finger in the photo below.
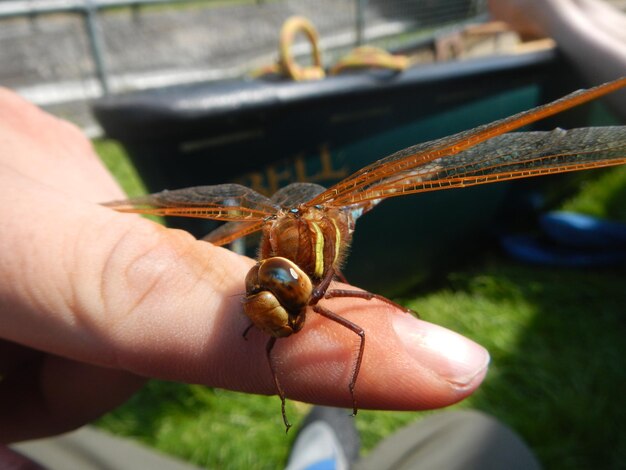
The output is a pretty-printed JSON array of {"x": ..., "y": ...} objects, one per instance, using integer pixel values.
[{"x": 119, "y": 291}]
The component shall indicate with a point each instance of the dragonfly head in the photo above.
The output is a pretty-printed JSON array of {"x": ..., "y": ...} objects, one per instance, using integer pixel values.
[{"x": 277, "y": 293}]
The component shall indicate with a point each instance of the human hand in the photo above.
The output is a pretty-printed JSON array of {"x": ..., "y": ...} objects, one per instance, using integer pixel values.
[
  {"x": 590, "y": 33},
  {"x": 93, "y": 301}
]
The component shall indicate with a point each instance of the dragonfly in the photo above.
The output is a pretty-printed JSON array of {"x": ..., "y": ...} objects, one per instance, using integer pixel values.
[{"x": 306, "y": 229}]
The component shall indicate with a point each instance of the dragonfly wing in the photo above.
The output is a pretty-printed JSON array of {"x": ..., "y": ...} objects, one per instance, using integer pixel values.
[
  {"x": 296, "y": 193},
  {"x": 505, "y": 157},
  {"x": 231, "y": 231},
  {"x": 228, "y": 202},
  {"x": 354, "y": 188}
]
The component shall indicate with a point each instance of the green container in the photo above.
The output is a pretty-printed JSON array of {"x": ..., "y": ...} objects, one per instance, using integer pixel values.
[{"x": 269, "y": 134}]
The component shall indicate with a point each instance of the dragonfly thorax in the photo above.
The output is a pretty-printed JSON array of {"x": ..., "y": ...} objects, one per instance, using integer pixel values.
[
  {"x": 314, "y": 238},
  {"x": 299, "y": 247}
]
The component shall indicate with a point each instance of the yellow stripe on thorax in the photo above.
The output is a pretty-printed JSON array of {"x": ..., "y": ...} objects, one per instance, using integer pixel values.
[
  {"x": 318, "y": 249},
  {"x": 337, "y": 241}
]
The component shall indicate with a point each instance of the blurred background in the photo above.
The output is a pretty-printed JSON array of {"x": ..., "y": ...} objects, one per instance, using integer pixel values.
[
  {"x": 62, "y": 54},
  {"x": 167, "y": 91}
]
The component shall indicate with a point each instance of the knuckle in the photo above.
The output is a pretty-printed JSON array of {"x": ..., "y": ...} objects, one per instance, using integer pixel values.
[{"x": 141, "y": 270}]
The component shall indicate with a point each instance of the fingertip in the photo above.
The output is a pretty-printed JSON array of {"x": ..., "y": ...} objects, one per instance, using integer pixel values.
[
  {"x": 450, "y": 356},
  {"x": 408, "y": 364}
]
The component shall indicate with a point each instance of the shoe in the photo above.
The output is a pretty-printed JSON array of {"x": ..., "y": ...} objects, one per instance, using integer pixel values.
[{"x": 327, "y": 440}]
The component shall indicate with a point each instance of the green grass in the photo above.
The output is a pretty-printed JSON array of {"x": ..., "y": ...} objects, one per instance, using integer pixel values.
[
  {"x": 556, "y": 337},
  {"x": 603, "y": 196},
  {"x": 115, "y": 159}
]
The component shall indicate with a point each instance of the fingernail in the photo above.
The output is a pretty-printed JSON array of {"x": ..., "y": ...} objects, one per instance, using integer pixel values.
[{"x": 447, "y": 354}]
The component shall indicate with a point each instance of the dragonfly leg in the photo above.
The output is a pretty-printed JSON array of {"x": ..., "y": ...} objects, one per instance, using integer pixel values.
[
  {"x": 322, "y": 287},
  {"x": 361, "y": 294},
  {"x": 279, "y": 389},
  {"x": 339, "y": 275},
  {"x": 359, "y": 331}
]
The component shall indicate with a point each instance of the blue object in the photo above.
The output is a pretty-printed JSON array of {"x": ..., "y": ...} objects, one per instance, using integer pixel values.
[
  {"x": 328, "y": 464},
  {"x": 583, "y": 231},
  {"x": 570, "y": 240}
]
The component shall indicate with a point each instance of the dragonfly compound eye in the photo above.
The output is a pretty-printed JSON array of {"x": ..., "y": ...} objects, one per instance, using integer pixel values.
[{"x": 286, "y": 281}]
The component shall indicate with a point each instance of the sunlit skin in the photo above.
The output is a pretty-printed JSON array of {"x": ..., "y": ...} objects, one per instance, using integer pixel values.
[{"x": 306, "y": 229}]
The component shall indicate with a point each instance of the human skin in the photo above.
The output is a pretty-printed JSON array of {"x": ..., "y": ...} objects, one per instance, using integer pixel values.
[
  {"x": 93, "y": 302},
  {"x": 590, "y": 33}
]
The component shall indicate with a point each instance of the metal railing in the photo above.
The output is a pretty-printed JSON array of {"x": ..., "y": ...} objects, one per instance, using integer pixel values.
[
  {"x": 88, "y": 9},
  {"x": 67, "y": 52}
]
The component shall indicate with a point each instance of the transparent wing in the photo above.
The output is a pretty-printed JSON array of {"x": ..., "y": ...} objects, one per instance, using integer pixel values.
[
  {"x": 231, "y": 231},
  {"x": 505, "y": 157},
  {"x": 227, "y": 202},
  {"x": 287, "y": 197},
  {"x": 360, "y": 186},
  {"x": 296, "y": 193}
]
